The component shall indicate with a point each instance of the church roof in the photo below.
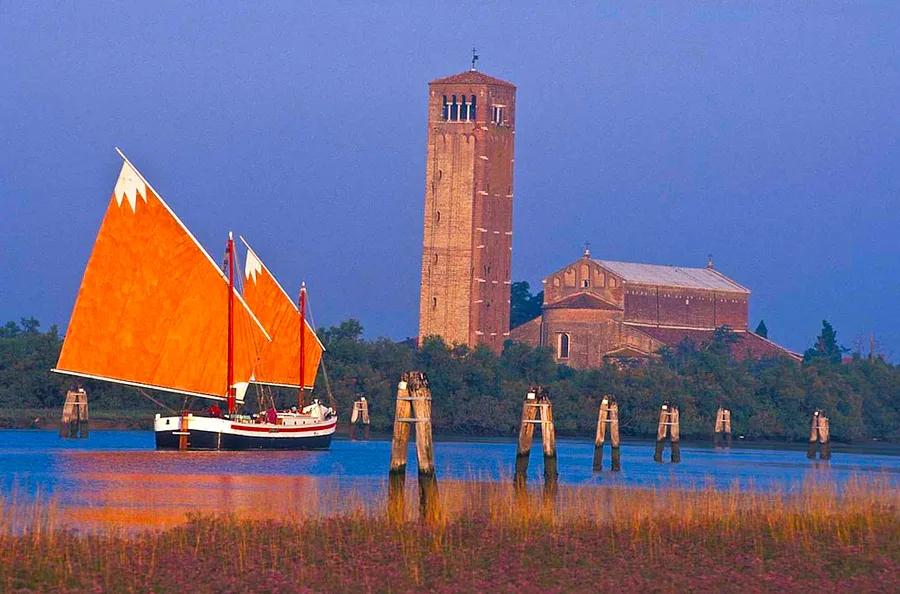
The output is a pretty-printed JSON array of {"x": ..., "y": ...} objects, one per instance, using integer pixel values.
[
  {"x": 471, "y": 77},
  {"x": 672, "y": 276}
]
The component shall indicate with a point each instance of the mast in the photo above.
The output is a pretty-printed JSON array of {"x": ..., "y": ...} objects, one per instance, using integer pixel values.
[
  {"x": 229, "y": 249},
  {"x": 302, "y": 342}
]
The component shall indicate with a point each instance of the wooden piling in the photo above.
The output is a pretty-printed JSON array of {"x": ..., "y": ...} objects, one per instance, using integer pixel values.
[
  {"x": 824, "y": 438},
  {"x": 661, "y": 430},
  {"x": 548, "y": 439},
  {"x": 413, "y": 408},
  {"x": 813, "y": 436},
  {"x": 74, "y": 422},
  {"x": 607, "y": 417},
  {"x": 722, "y": 431},
  {"x": 359, "y": 416},
  {"x": 526, "y": 434},
  {"x": 537, "y": 409},
  {"x": 675, "y": 434},
  {"x": 668, "y": 426},
  {"x": 400, "y": 440}
]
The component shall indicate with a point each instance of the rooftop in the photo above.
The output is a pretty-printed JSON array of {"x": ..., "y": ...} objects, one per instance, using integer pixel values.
[
  {"x": 672, "y": 276},
  {"x": 471, "y": 77}
]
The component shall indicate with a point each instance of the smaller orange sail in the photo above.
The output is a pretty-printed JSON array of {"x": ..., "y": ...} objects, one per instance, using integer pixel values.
[{"x": 279, "y": 362}]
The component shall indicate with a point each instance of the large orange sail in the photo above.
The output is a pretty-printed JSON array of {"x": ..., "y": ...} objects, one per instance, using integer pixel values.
[
  {"x": 280, "y": 359},
  {"x": 152, "y": 308}
]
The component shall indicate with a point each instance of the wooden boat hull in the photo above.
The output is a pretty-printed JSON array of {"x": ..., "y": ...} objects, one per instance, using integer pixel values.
[{"x": 208, "y": 433}]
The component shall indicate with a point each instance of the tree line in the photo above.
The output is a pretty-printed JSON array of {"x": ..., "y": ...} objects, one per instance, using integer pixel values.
[{"x": 477, "y": 392}]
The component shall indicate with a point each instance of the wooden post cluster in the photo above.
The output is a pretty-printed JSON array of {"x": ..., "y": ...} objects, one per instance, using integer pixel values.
[
  {"x": 360, "y": 415},
  {"x": 609, "y": 415},
  {"x": 722, "y": 434},
  {"x": 668, "y": 426},
  {"x": 413, "y": 408},
  {"x": 74, "y": 422},
  {"x": 537, "y": 409},
  {"x": 819, "y": 436}
]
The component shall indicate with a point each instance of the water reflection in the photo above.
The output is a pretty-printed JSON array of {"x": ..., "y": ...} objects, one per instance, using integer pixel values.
[{"x": 117, "y": 477}]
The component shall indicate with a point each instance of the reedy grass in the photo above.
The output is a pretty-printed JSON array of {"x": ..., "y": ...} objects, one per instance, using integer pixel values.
[{"x": 486, "y": 536}]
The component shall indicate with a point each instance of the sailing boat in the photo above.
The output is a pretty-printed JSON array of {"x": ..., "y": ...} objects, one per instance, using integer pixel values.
[{"x": 155, "y": 311}]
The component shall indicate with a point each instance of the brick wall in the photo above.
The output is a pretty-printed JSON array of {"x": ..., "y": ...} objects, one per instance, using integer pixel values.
[{"x": 466, "y": 252}]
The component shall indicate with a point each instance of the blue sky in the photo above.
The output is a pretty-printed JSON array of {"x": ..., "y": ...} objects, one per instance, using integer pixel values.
[{"x": 765, "y": 134}]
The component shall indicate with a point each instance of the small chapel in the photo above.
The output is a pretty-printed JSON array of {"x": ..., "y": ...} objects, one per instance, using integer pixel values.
[{"x": 598, "y": 311}]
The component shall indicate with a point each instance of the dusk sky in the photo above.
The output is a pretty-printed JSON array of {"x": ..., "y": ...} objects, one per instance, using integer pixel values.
[{"x": 765, "y": 134}]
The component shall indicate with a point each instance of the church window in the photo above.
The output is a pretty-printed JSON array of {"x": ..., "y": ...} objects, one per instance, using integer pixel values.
[
  {"x": 562, "y": 345},
  {"x": 585, "y": 283}
]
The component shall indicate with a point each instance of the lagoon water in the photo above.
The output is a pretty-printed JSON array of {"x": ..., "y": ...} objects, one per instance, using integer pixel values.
[{"x": 116, "y": 470}]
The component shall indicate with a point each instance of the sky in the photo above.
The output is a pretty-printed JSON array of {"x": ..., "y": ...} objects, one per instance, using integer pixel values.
[{"x": 765, "y": 134}]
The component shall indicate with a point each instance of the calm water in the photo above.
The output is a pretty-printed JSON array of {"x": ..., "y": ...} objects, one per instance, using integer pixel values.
[{"x": 121, "y": 470}]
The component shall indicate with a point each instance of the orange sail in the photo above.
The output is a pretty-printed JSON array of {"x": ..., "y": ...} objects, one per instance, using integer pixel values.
[
  {"x": 152, "y": 308},
  {"x": 280, "y": 359}
]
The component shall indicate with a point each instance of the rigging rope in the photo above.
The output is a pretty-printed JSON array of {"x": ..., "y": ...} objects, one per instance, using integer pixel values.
[
  {"x": 155, "y": 401},
  {"x": 331, "y": 401}
]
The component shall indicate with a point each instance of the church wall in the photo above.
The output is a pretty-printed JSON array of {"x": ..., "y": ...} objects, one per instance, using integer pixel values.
[{"x": 571, "y": 280}]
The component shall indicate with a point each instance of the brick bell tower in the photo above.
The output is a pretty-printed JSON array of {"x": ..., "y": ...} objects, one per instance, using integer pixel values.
[{"x": 467, "y": 243}]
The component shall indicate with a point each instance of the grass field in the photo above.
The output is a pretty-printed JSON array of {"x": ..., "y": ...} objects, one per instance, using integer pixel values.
[{"x": 483, "y": 537}]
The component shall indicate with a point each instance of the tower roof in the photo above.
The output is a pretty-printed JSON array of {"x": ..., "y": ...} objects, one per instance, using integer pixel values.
[{"x": 471, "y": 77}]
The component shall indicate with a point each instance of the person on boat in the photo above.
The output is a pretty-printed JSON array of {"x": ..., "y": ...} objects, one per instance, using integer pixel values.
[
  {"x": 215, "y": 411},
  {"x": 271, "y": 415}
]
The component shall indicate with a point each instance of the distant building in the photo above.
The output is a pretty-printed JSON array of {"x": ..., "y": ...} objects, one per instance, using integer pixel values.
[
  {"x": 467, "y": 244},
  {"x": 599, "y": 310}
]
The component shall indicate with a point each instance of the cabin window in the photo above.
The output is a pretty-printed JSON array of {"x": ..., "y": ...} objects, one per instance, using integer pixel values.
[{"x": 562, "y": 345}]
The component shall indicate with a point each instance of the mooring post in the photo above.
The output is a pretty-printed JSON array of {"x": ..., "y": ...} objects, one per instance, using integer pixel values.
[
  {"x": 421, "y": 406},
  {"x": 607, "y": 417},
  {"x": 726, "y": 418},
  {"x": 360, "y": 415},
  {"x": 74, "y": 422},
  {"x": 614, "y": 436},
  {"x": 526, "y": 434},
  {"x": 813, "y": 436},
  {"x": 675, "y": 433},
  {"x": 600, "y": 437},
  {"x": 661, "y": 430},
  {"x": 548, "y": 438},
  {"x": 399, "y": 443},
  {"x": 824, "y": 438}
]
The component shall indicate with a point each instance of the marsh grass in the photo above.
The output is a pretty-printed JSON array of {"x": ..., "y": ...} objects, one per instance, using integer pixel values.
[{"x": 485, "y": 537}]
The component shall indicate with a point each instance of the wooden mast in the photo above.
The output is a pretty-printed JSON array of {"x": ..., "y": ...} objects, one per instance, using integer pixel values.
[
  {"x": 230, "y": 251},
  {"x": 300, "y": 394}
]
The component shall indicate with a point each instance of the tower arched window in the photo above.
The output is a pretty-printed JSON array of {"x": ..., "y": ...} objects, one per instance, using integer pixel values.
[
  {"x": 445, "y": 110},
  {"x": 454, "y": 110},
  {"x": 473, "y": 108},
  {"x": 463, "y": 109}
]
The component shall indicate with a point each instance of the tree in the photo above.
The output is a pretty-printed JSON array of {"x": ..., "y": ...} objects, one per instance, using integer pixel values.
[
  {"x": 826, "y": 348},
  {"x": 762, "y": 330},
  {"x": 523, "y": 306}
]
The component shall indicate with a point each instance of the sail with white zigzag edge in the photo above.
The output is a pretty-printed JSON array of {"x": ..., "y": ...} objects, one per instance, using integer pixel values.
[{"x": 152, "y": 307}]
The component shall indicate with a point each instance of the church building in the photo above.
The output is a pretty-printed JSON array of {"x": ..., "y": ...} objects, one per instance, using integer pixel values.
[{"x": 602, "y": 310}]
